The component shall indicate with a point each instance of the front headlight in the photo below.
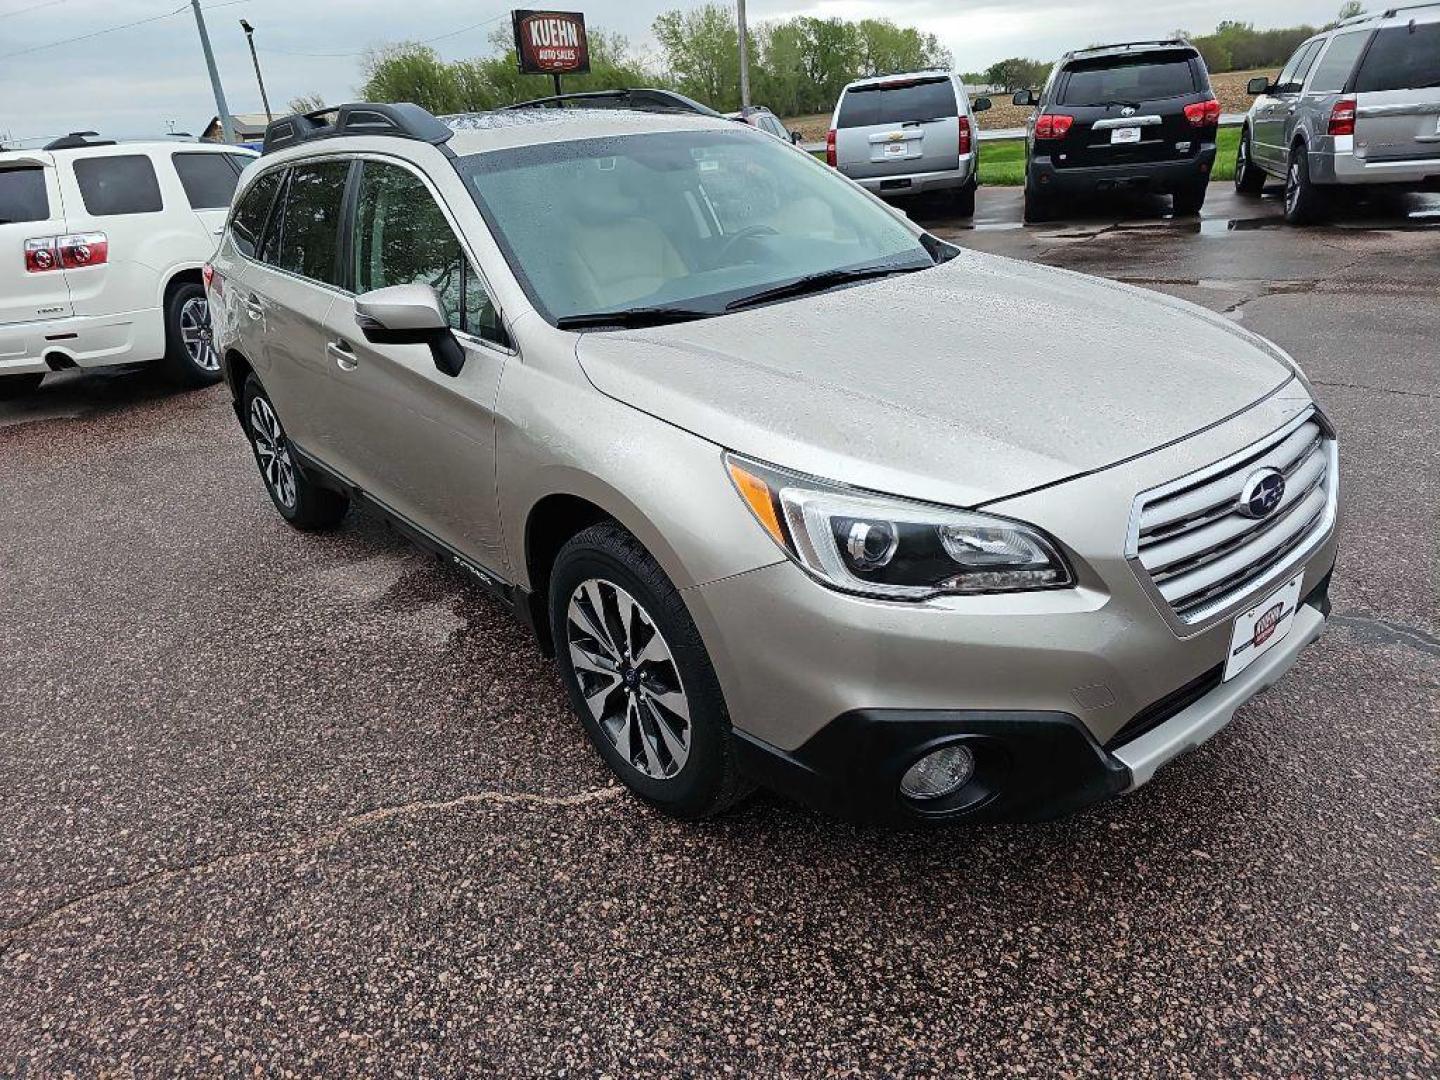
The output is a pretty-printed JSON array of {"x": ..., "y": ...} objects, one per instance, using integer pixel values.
[{"x": 878, "y": 546}]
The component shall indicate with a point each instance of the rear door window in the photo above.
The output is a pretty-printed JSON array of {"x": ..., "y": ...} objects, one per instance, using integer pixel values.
[
  {"x": 1402, "y": 58},
  {"x": 247, "y": 224},
  {"x": 208, "y": 179},
  {"x": 310, "y": 228},
  {"x": 118, "y": 184},
  {"x": 1126, "y": 79},
  {"x": 896, "y": 103},
  {"x": 1333, "y": 71},
  {"x": 22, "y": 195}
]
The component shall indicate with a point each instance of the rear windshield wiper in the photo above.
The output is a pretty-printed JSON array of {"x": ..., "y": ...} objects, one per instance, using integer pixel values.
[
  {"x": 827, "y": 279},
  {"x": 629, "y": 318}
]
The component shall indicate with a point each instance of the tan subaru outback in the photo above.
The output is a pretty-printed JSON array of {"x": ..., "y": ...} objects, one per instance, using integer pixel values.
[{"x": 797, "y": 494}]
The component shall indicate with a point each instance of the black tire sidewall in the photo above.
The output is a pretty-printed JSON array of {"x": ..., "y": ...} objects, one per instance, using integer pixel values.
[
  {"x": 178, "y": 365},
  {"x": 1308, "y": 199},
  {"x": 316, "y": 508},
  {"x": 608, "y": 553}
]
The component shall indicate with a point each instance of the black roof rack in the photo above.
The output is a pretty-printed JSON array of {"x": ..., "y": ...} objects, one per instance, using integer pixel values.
[
  {"x": 76, "y": 140},
  {"x": 1160, "y": 43},
  {"x": 402, "y": 121},
  {"x": 641, "y": 99}
]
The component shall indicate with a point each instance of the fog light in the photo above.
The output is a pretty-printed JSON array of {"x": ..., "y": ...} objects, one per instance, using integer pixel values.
[{"x": 939, "y": 773}]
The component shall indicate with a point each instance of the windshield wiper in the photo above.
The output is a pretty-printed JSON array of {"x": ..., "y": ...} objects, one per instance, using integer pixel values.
[
  {"x": 827, "y": 279},
  {"x": 630, "y": 318}
]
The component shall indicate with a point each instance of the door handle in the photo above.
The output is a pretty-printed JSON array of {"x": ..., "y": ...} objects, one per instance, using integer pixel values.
[
  {"x": 343, "y": 355},
  {"x": 253, "y": 308}
]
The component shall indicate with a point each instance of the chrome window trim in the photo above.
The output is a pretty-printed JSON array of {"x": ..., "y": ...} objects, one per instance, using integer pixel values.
[{"x": 1212, "y": 614}]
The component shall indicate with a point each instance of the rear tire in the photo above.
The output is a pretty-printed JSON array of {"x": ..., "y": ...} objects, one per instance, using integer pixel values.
[
  {"x": 303, "y": 503},
  {"x": 17, "y": 386},
  {"x": 965, "y": 200},
  {"x": 1249, "y": 177},
  {"x": 190, "y": 359},
  {"x": 1038, "y": 208},
  {"x": 1190, "y": 201},
  {"x": 620, "y": 622},
  {"x": 1305, "y": 204}
]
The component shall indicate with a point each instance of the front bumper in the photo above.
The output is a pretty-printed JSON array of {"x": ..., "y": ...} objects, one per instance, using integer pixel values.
[
  {"x": 1158, "y": 176},
  {"x": 81, "y": 341},
  {"x": 1031, "y": 766}
]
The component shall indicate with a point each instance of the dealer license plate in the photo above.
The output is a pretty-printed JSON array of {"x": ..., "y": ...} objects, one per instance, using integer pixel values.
[{"x": 1264, "y": 626}]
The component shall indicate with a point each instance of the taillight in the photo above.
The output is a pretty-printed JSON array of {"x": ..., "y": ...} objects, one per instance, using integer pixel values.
[
  {"x": 1053, "y": 125},
  {"x": 1203, "y": 113},
  {"x": 1342, "y": 117},
  {"x": 832, "y": 158},
  {"x": 72, "y": 252},
  {"x": 965, "y": 136}
]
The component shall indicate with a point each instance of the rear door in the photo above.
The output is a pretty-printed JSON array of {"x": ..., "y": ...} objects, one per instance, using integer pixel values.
[
  {"x": 1397, "y": 91},
  {"x": 1128, "y": 108},
  {"x": 30, "y": 209},
  {"x": 898, "y": 128}
]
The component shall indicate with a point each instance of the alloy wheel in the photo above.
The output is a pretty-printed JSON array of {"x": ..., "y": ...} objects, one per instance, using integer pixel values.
[
  {"x": 1292, "y": 187},
  {"x": 1242, "y": 158},
  {"x": 273, "y": 450},
  {"x": 196, "y": 335},
  {"x": 628, "y": 678}
]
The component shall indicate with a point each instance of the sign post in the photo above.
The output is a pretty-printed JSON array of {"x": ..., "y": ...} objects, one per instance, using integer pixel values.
[{"x": 551, "y": 43}]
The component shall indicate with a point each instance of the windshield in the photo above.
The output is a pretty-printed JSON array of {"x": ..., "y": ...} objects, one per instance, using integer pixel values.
[
  {"x": 692, "y": 219},
  {"x": 1128, "y": 79}
]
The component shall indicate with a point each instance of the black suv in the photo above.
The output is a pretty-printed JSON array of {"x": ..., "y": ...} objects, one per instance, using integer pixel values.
[{"x": 1139, "y": 115}]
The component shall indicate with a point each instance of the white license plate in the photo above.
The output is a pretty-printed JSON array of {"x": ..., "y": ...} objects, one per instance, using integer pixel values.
[
  {"x": 1124, "y": 135},
  {"x": 1260, "y": 629},
  {"x": 895, "y": 149}
]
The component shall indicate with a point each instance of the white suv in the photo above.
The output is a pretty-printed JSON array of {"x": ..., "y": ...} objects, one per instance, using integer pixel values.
[{"x": 101, "y": 250}]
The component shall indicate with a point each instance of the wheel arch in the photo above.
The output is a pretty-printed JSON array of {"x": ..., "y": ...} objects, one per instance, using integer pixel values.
[{"x": 182, "y": 275}]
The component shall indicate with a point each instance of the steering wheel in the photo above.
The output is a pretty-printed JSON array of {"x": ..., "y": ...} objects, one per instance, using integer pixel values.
[{"x": 747, "y": 233}]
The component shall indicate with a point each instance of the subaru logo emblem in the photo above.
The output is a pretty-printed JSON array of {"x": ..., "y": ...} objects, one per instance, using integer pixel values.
[{"x": 1262, "y": 493}]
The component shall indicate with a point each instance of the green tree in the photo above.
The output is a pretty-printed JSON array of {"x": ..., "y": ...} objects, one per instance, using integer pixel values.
[
  {"x": 409, "y": 71},
  {"x": 307, "y": 103},
  {"x": 701, "y": 47},
  {"x": 886, "y": 47},
  {"x": 1017, "y": 73}
]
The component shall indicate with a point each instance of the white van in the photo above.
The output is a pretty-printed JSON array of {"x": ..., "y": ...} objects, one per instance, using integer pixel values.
[{"x": 101, "y": 251}]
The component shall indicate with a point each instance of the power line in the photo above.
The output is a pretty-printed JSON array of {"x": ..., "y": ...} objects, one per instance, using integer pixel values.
[
  {"x": 32, "y": 7},
  {"x": 362, "y": 52},
  {"x": 113, "y": 29}
]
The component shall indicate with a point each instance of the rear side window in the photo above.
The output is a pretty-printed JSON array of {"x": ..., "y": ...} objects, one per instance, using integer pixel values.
[
  {"x": 1402, "y": 58},
  {"x": 895, "y": 103},
  {"x": 310, "y": 229},
  {"x": 248, "y": 223},
  {"x": 1333, "y": 71},
  {"x": 1125, "y": 79},
  {"x": 208, "y": 179},
  {"x": 123, "y": 184},
  {"x": 22, "y": 195}
]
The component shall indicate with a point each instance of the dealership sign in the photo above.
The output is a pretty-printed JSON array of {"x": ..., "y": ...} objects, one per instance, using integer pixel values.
[{"x": 551, "y": 42}]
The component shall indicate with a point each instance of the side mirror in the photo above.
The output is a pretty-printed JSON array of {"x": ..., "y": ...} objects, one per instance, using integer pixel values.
[
  {"x": 795, "y": 138},
  {"x": 1024, "y": 98},
  {"x": 1256, "y": 87},
  {"x": 410, "y": 315},
  {"x": 981, "y": 104}
]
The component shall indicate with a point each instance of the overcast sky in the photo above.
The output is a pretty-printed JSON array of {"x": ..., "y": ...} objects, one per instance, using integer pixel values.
[{"x": 133, "y": 81}]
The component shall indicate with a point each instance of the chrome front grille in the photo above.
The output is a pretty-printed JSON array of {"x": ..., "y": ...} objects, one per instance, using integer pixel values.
[{"x": 1199, "y": 548}]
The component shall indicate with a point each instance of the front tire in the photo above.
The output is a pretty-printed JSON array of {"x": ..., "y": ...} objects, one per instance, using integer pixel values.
[
  {"x": 1249, "y": 177},
  {"x": 639, "y": 677},
  {"x": 303, "y": 503},
  {"x": 1305, "y": 203},
  {"x": 190, "y": 359},
  {"x": 17, "y": 386}
]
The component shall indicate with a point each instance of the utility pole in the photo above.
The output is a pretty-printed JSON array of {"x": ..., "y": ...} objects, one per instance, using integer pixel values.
[
  {"x": 250, "y": 37},
  {"x": 226, "y": 126},
  {"x": 744, "y": 55}
]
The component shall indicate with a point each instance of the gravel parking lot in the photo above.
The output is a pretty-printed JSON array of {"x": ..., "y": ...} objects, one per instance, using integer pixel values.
[{"x": 274, "y": 804}]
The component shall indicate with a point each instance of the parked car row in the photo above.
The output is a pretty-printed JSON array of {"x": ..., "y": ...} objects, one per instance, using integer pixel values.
[
  {"x": 745, "y": 447},
  {"x": 101, "y": 249}
]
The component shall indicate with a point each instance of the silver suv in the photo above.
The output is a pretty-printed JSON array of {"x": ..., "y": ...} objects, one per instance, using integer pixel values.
[
  {"x": 795, "y": 492},
  {"x": 909, "y": 135},
  {"x": 1356, "y": 105}
]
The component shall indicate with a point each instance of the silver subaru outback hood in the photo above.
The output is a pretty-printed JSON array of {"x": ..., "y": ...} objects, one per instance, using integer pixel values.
[{"x": 975, "y": 380}]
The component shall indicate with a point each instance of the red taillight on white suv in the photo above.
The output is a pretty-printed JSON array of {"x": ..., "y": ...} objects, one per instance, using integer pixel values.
[
  {"x": 1053, "y": 125},
  {"x": 74, "y": 251},
  {"x": 832, "y": 157},
  {"x": 966, "y": 137},
  {"x": 1342, "y": 117},
  {"x": 1203, "y": 113}
]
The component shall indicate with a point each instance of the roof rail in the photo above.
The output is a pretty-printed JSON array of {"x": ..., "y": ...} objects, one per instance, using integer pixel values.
[
  {"x": 77, "y": 139},
  {"x": 401, "y": 121},
  {"x": 641, "y": 99},
  {"x": 1388, "y": 13}
]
